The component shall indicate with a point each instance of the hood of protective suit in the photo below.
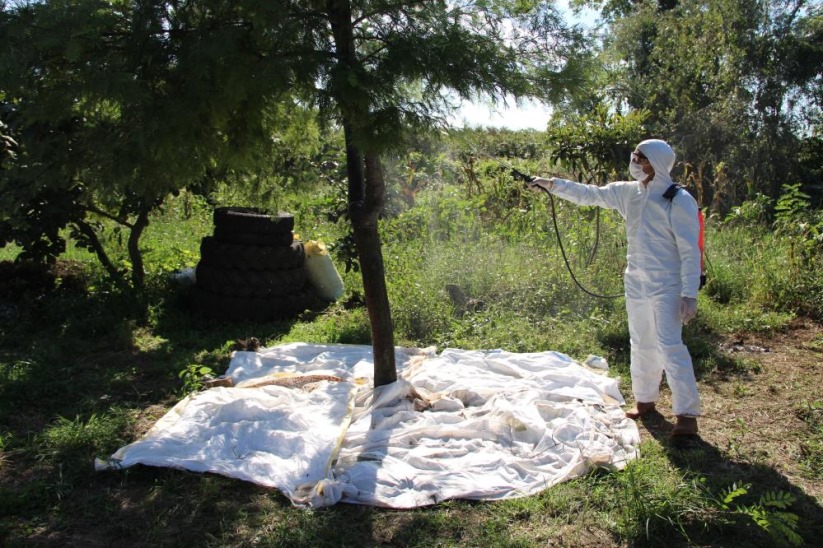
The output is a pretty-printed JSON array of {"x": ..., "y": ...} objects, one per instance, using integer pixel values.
[{"x": 661, "y": 157}]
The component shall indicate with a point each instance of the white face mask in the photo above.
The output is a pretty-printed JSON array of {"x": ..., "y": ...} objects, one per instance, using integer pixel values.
[{"x": 637, "y": 171}]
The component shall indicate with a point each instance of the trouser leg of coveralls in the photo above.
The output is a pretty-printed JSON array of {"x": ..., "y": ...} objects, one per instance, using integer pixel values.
[
  {"x": 676, "y": 359},
  {"x": 655, "y": 329},
  {"x": 646, "y": 368}
]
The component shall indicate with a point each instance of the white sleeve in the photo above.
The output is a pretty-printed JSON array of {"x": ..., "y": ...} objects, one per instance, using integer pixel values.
[
  {"x": 609, "y": 196},
  {"x": 686, "y": 230}
]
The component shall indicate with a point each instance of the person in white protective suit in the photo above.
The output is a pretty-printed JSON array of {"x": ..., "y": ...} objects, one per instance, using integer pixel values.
[{"x": 661, "y": 279}]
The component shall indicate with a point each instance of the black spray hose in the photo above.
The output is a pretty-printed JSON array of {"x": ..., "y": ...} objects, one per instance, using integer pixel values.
[
  {"x": 528, "y": 180},
  {"x": 566, "y": 260}
]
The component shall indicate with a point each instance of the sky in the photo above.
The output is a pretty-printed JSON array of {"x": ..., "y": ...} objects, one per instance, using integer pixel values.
[{"x": 526, "y": 115}]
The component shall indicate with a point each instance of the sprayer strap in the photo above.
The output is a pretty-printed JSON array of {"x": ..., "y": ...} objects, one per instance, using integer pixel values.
[
  {"x": 672, "y": 190},
  {"x": 566, "y": 259}
]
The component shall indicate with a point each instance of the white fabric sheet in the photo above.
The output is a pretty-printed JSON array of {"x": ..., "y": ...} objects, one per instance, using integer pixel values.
[{"x": 477, "y": 425}]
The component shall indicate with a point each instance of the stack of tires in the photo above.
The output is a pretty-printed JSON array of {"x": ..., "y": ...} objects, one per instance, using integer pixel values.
[{"x": 252, "y": 268}]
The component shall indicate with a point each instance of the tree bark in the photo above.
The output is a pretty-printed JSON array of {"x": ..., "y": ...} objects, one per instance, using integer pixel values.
[
  {"x": 137, "y": 271},
  {"x": 370, "y": 252},
  {"x": 366, "y": 194}
]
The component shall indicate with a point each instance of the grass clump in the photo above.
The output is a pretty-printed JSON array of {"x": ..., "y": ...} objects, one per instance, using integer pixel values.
[{"x": 82, "y": 439}]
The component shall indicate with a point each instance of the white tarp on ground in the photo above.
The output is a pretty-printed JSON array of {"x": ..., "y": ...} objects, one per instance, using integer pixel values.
[{"x": 477, "y": 425}]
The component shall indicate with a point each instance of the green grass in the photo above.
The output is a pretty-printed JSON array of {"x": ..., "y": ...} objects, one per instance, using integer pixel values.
[
  {"x": 812, "y": 448},
  {"x": 85, "y": 369}
]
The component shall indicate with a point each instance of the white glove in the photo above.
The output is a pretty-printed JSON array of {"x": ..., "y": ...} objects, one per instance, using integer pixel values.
[
  {"x": 537, "y": 183},
  {"x": 688, "y": 309}
]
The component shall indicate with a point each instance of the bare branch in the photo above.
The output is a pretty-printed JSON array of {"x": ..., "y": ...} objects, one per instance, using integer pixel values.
[{"x": 107, "y": 215}]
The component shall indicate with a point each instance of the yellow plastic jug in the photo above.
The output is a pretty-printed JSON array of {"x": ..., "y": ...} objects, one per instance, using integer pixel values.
[{"x": 321, "y": 272}]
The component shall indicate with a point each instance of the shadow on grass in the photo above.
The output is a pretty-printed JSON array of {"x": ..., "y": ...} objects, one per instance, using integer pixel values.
[
  {"x": 72, "y": 354},
  {"x": 101, "y": 359},
  {"x": 705, "y": 348},
  {"x": 77, "y": 368},
  {"x": 695, "y": 457}
]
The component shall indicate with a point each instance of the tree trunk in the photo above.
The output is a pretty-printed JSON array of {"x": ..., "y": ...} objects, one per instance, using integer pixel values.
[
  {"x": 370, "y": 252},
  {"x": 366, "y": 195},
  {"x": 94, "y": 242},
  {"x": 137, "y": 271}
]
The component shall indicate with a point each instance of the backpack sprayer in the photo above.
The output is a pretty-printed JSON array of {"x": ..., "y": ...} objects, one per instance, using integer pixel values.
[{"x": 528, "y": 179}]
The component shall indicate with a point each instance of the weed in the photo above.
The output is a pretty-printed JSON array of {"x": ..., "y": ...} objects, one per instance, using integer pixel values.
[
  {"x": 734, "y": 447},
  {"x": 192, "y": 377},
  {"x": 66, "y": 438},
  {"x": 740, "y": 390},
  {"x": 656, "y": 503},
  {"x": 770, "y": 512}
]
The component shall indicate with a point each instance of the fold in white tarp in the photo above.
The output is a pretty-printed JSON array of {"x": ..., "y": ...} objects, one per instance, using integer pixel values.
[{"x": 477, "y": 425}]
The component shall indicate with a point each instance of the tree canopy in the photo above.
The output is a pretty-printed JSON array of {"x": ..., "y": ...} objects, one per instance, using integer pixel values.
[{"x": 114, "y": 105}]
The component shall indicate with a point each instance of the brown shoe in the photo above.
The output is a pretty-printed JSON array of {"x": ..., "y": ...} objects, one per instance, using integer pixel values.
[
  {"x": 640, "y": 409},
  {"x": 685, "y": 426}
]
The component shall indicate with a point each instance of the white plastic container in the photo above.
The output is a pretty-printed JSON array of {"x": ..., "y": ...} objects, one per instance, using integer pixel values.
[{"x": 321, "y": 272}]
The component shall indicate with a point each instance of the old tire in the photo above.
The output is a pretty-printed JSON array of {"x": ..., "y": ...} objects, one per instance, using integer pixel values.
[
  {"x": 252, "y": 257},
  {"x": 272, "y": 239},
  {"x": 234, "y": 282},
  {"x": 252, "y": 220},
  {"x": 222, "y": 307}
]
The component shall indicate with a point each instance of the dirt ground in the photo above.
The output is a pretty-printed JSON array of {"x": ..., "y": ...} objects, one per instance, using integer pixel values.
[{"x": 756, "y": 419}]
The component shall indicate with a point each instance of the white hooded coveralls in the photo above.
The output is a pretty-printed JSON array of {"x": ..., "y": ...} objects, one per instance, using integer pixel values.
[{"x": 663, "y": 265}]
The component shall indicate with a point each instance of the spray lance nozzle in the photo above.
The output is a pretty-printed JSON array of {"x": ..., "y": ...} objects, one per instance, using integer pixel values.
[
  {"x": 525, "y": 178},
  {"x": 519, "y": 175}
]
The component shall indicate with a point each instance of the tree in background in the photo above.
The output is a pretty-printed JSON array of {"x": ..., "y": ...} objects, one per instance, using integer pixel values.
[
  {"x": 595, "y": 146},
  {"x": 734, "y": 85}
]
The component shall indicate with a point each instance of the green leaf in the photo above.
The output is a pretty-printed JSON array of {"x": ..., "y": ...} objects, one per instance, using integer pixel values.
[
  {"x": 779, "y": 499},
  {"x": 734, "y": 491}
]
